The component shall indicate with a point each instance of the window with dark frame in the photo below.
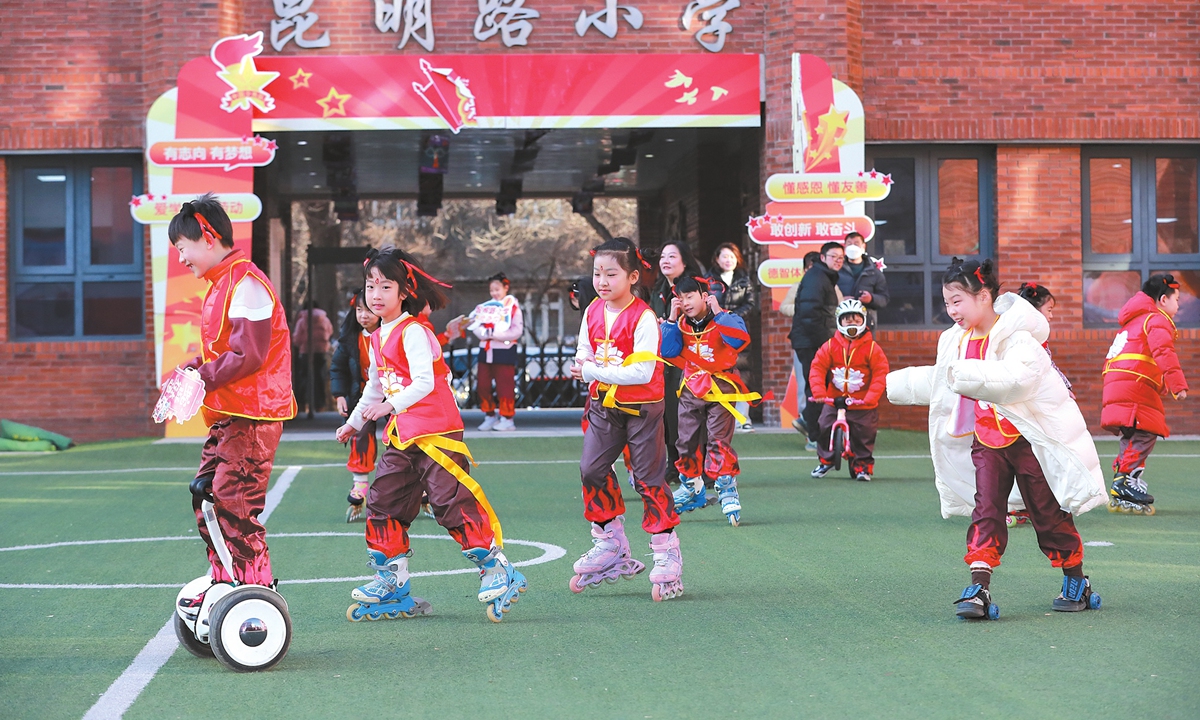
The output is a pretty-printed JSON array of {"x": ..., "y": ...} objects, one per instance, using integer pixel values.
[
  {"x": 77, "y": 256},
  {"x": 942, "y": 204},
  {"x": 1140, "y": 211}
]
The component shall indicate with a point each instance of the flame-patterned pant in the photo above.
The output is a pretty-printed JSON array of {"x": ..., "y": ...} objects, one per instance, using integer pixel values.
[
  {"x": 995, "y": 471},
  {"x": 506, "y": 388},
  {"x": 363, "y": 449},
  {"x": 395, "y": 499},
  {"x": 238, "y": 455},
  {"x": 609, "y": 431},
  {"x": 1135, "y": 448},
  {"x": 714, "y": 458}
]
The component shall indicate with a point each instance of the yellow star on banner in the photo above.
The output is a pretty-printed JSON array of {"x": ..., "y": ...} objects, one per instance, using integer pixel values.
[
  {"x": 248, "y": 85},
  {"x": 300, "y": 79},
  {"x": 718, "y": 92},
  {"x": 185, "y": 336},
  {"x": 688, "y": 97},
  {"x": 830, "y": 134},
  {"x": 678, "y": 79},
  {"x": 334, "y": 103}
]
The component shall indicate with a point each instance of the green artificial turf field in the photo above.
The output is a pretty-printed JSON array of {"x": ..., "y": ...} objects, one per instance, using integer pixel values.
[{"x": 833, "y": 600}]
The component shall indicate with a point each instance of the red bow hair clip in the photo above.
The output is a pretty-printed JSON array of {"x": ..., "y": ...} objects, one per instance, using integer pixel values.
[
  {"x": 206, "y": 228},
  {"x": 979, "y": 276},
  {"x": 412, "y": 280},
  {"x": 1032, "y": 285}
]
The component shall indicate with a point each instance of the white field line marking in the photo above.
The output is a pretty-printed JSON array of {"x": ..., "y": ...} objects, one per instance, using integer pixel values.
[
  {"x": 121, "y": 695},
  {"x": 550, "y": 553},
  {"x": 745, "y": 458}
]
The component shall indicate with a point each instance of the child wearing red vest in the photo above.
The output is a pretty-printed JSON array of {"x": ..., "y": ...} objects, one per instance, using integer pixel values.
[
  {"x": 1141, "y": 368},
  {"x": 424, "y": 451},
  {"x": 705, "y": 343},
  {"x": 246, "y": 366},
  {"x": 499, "y": 326},
  {"x": 348, "y": 375},
  {"x": 618, "y": 357},
  {"x": 849, "y": 370}
]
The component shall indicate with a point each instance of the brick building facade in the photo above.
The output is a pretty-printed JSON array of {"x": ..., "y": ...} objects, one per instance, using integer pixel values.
[{"x": 1038, "y": 91}]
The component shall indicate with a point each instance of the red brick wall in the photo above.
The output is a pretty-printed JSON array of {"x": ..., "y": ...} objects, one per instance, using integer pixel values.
[{"x": 1030, "y": 70}]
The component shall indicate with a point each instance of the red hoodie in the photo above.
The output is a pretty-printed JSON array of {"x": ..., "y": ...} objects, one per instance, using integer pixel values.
[{"x": 1141, "y": 367}]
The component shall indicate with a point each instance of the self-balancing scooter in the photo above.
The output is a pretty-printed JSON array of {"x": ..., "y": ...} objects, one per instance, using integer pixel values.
[{"x": 245, "y": 627}]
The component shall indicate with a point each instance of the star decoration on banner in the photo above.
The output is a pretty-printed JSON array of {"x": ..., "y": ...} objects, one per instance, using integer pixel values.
[
  {"x": 300, "y": 78},
  {"x": 247, "y": 82},
  {"x": 135, "y": 201},
  {"x": 887, "y": 179},
  {"x": 185, "y": 337},
  {"x": 334, "y": 103}
]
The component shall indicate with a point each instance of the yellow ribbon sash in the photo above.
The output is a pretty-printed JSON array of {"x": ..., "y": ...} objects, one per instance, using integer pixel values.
[
  {"x": 433, "y": 446},
  {"x": 610, "y": 391}
]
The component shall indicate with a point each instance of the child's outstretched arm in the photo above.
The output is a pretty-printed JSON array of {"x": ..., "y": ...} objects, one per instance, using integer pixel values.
[
  {"x": 1006, "y": 380},
  {"x": 250, "y": 312}
]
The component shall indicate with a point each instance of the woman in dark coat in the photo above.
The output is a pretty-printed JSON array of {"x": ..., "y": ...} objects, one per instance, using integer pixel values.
[{"x": 730, "y": 282}]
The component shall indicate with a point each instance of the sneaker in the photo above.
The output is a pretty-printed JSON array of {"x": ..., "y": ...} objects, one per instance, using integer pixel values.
[
  {"x": 862, "y": 476},
  {"x": 489, "y": 422},
  {"x": 505, "y": 425},
  {"x": 810, "y": 446},
  {"x": 744, "y": 428},
  {"x": 821, "y": 470},
  {"x": 798, "y": 426}
]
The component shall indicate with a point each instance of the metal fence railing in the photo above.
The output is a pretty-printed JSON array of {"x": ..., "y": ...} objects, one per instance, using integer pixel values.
[{"x": 543, "y": 375}]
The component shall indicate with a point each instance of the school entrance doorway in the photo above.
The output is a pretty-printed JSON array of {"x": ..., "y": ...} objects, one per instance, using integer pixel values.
[{"x": 477, "y": 165}]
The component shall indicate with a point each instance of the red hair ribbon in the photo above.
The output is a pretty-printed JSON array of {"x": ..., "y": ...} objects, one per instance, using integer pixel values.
[
  {"x": 1173, "y": 285},
  {"x": 979, "y": 275},
  {"x": 592, "y": 252},
  {"x": 206, "y": 228},
  {"x": 640, "y": 258},
  {"x": 1032, "y": 286},
  {"x": 412, "y": 280}
]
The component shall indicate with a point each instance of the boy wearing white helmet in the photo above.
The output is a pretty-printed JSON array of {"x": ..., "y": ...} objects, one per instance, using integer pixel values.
[{"x": 849, "y": 371}]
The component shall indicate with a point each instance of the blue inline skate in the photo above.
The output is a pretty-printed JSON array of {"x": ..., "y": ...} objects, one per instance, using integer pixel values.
[
  {"x": 1076, "y": 595},
  {"x": 975, "y": 603},
  {"x": 731, "y": 504},
  {"x": 500, "y": 584},
  {"x": 387, "y": 596},
  {"x": 690, "y": 496}
]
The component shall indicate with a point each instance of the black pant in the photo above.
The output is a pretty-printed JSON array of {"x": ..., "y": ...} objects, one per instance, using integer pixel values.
[{"x": 812, "y": 410}]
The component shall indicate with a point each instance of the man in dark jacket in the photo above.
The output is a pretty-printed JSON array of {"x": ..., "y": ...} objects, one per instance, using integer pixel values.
[
  {"x": 860, "y": 278},
  {"x": 814, "y": 319}
]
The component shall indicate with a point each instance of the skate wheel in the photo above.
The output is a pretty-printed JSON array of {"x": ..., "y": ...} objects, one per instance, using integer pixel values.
[
  {"x": 1094, "y": 601},
  {"x": 993, "y": 612},
  {"x": 189, "y": 641},
  {"x": 251, "y": 629},
  {"x": 1148, "y": 510},
  {"x": 1010, "y": 521},
  {"x": 656, "y": 593},
  {"x": 575, "y": 585},
  {"x": 493, "y": 615},
  {"x": 352, "y": 613},
  {"x": 735, "y": 519}
]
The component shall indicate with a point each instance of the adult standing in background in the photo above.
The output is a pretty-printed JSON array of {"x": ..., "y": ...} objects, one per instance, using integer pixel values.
[
  {"x": 787, "y": 308},
  {"x": 310, "y": 339},
  {"x": 861, "y": 278},
  {"x": 674, "y": 261},
  {"x": 813, "y": 320},
  {"x": 730, "y": 283}
]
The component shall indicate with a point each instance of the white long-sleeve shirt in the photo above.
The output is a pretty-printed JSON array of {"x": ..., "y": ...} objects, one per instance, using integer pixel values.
[
  {"x": 419, "y": 352},
  {"x": 645, "y": 339}
]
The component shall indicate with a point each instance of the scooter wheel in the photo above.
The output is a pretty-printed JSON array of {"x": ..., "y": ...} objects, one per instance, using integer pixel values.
[
  {"x": 187, "y": 638},
  {"x": 251, "y": 629},
  {"x": 839, "y": 442}
]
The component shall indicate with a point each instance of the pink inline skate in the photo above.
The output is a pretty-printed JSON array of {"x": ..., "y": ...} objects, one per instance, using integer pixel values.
[
  {"x": 608, "y": 560},
  {"x": 667, "y": 575}
]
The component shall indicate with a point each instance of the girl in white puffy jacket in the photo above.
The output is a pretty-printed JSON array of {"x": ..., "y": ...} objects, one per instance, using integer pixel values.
[{"x": 998, "y": 414}]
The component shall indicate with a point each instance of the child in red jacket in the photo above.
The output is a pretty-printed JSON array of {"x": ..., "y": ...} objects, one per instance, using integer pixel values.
[
  {"x": 849, "y": 368},
  {"x": 1141, "y": 368}
]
